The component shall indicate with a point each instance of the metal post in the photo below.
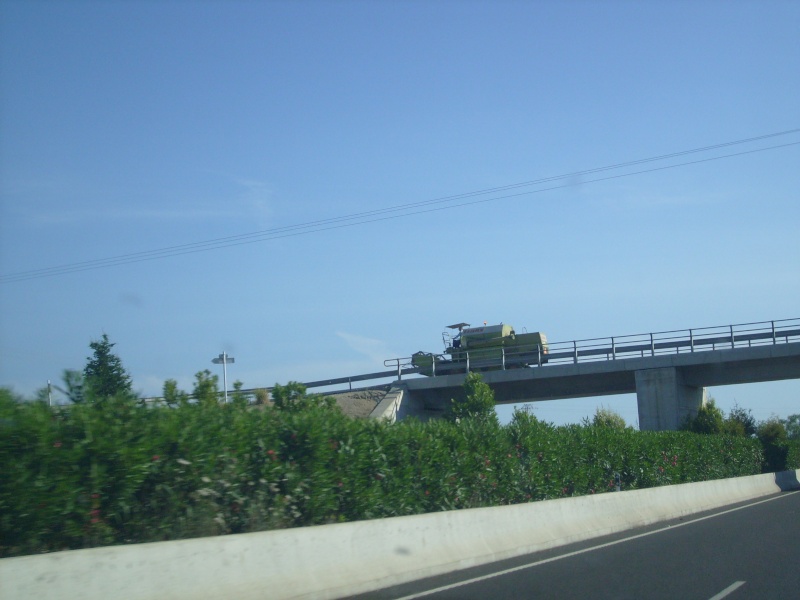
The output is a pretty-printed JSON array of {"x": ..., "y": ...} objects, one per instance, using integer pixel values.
[
  {"x": 399, "y": 371},
  {"x": 539, "y": 352},
  {"x": 613, "y": 350},
  {"x": 224, "y": 359},
  {"x": 774, "y": 341},
  {"x": 733, "y": 345},
  {"x": 225, "y": 375},
  {"x": 467, "y": 362},
  {"x": 652, "y": 346},
  {"x": 691, "y": 340},
  {"x": 503, "y": 356},
  {"x": 575, "y": 347},
  {"x": 433, "y": 365}
]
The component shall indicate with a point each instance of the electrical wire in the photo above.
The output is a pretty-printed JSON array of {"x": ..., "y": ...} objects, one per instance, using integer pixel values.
[{"x": 394, "y": 212}]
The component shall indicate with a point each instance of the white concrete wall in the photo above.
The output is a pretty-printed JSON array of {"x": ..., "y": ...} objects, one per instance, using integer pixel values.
[
  {"x": 390, "y": 405},
  {"x": 331, "y": 561}
]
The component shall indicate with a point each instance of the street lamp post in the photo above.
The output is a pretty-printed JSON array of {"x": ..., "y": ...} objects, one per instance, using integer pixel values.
[{"x": 223, "y": 359}]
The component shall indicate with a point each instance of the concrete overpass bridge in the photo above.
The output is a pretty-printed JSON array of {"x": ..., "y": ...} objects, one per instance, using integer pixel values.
[{"x": 668, "y": 371}]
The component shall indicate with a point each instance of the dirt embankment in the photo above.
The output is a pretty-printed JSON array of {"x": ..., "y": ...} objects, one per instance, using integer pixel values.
[{"x": 359, "y": 403}]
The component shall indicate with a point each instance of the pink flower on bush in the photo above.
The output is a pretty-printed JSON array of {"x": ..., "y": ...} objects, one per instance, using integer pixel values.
[{"x": 156, "y": 458}]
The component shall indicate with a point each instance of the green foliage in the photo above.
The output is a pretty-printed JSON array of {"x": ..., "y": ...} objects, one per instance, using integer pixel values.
[
  {"x": 772, "y": 434},
  {"x": 605, "y": 417},
  {"x": 792, "y": 424},
  {"x": 117, "y": 472},
  {"x": 478, "y": 401},
  {"x": 73, "y": 386},
  {"x": 238, "y": 396},
  {"x": 104, "y": 373},
  {"x": 172, "y": 395},
  {"x": 793, "y": 454},
  {"x": 262, "y": 396},
  {"x": 772, "y": 431},
  {"x": 709, "y": 420},
  {"x": 740, "y": 422},
  {"x": 292, "y": 397},
  {"x": 206, "y": 387},
  {"x": 7, "y": 396}
]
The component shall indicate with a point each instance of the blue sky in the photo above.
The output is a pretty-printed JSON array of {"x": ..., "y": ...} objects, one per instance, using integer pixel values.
[{"x": 134, "y": 126}]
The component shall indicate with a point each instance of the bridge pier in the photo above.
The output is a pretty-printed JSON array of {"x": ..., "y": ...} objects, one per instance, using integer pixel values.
[{"x": 665, "y": 400}]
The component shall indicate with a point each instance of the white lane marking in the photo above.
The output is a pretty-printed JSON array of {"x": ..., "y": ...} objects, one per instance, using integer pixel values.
[
  {"x": 728, "y": 590},
  {"x": 577, "y": 552}
]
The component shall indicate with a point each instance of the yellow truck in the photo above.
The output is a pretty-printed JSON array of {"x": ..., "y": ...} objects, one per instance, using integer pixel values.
[{"x": 485, "y": 348}]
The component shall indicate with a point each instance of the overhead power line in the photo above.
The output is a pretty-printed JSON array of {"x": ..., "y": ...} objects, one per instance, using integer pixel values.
[{"x": 402, "y": 210}]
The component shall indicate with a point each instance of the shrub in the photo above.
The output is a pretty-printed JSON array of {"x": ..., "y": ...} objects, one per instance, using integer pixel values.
[
  {"x": 605, "y": 417},
  {"x": 772, "y": 434},
  {"x": 477, "y": 401},
  {"x": 709, "y": 419},
  {"x": 117, "y": 472},
  {"x": 740, "y": 422}
]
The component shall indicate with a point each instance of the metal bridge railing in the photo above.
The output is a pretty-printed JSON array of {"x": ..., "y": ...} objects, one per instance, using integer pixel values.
[
  {"x": 617, "y": 347},
  {"x": 596, "y": 349}
]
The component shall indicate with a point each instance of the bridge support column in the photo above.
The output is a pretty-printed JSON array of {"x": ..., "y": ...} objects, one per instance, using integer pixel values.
[{"x": 665, "y": 400}]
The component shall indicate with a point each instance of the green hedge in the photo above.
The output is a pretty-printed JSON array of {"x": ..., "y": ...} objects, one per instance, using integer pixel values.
[
  {"x": 115, "y": 472},
  {"x": 793, "y": 454}
]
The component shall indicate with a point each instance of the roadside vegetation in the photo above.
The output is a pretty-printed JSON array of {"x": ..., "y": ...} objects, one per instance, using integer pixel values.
[{"x": 107, "y": 469}]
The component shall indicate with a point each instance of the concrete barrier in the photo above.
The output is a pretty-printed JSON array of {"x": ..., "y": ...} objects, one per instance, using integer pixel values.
[
  {"x": 332, "y": 561},
  {"x": 388, "y": 407}
]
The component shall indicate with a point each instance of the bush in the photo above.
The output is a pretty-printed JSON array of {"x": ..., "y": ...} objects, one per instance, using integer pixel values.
[
  {"x": 709, "y": 420},
  {"x": 740, "y": 422},
  {"x": 793, "y": 454},
  {"x": 605, "y": 417},
  {"x": 116, "y": 472},
  {"x": 772, "y": 435},
  {"x": 477, "y": 401}
]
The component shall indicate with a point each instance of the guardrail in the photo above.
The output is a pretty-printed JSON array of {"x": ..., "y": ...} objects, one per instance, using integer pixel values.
[
  {"x": 593, "y": 349},
  {"x": 618, "y": 347}
]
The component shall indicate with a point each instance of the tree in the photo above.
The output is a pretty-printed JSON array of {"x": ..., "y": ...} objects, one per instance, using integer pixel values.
[
  {"x": 172, "y": 395},
  {"x": 73, "y": 386},
  {"x": 478, "y": 401},
  {"x": 104, "y": 374},
  {"x": 709, "y": 419},
  {"x": 772, "y": 431},
  {"x": 292, "y": 397},
  {"x": 740, "y": 422},
  {"x": 792, "y": 425},
  {"x": 605, "y": 417},
  {"x": 772, "y": 434},
  {"x": 206, "y": 387}
]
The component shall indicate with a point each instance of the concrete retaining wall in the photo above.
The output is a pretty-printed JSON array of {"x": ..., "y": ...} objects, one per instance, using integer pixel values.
[
  {"x": 331, "y": 561},
  {"x": 388, "y": 407}
]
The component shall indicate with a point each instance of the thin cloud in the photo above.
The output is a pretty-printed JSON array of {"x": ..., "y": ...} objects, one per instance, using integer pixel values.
[{"x": 376, "y": 350}]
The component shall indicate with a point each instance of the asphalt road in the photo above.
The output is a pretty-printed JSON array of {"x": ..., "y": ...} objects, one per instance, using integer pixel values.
[{"x": 748, "y": 550}]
